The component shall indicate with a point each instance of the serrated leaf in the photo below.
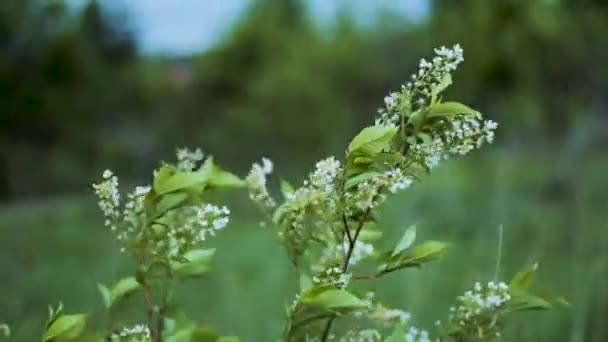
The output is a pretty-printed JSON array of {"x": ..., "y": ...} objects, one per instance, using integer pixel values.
[
  {"x": 448, "y": 109},
  {"x": 65, "y": 327},
  {"x": 522, "y": 281},
  {"x": 199, "y": 263},
  {"x": 371, "y": 140},
  {"x": 408, "y": 238},
  {"x": 360, "y": 178}
]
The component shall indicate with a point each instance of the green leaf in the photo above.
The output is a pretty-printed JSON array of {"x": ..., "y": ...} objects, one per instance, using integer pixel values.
[
  {"x": 408, "y": 238},
  {"x": 336, "y": 300},
  {"x": 448, "y": 109},
  {"x": 441, "y": 86},
  {"x": 169, "y": 180},
  {"x": 163, "y": 174},
  {"x": 369, "y": 234},
  {"x": 225, "y": 179},
  {"x": 413, "y": 257},
  {"x": 286, "y": 188},
  {"x": 372, "y": 140},
  {"x": 199, "y": 263},
  {"x": 525, "y": 301},
  {"x": 171, "y": 201},
  {"x": 360, "y": 178},
  {"x": 522, "y": 281},
  {"x": 398, "y": 334},
  {"x": 65, "y": 327},
  {"x": 122, "y": 288}
]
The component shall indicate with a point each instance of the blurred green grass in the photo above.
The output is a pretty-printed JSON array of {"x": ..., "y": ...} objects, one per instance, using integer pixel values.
[{"x": 56, "y": 249}]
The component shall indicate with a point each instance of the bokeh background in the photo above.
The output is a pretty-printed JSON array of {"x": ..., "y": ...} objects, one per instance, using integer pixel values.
[{"x": 89, "y": 85}]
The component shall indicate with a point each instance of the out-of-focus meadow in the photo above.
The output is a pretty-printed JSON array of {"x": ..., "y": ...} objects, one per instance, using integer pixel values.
[{"x": 77, "y": 96}]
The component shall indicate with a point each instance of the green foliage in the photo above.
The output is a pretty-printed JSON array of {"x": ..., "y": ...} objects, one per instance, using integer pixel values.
[
  {"x": 328, "y": 227},
  {"x": 121, "y": 289},
  {"x": 371, "y": 140},
  {"x": 60, "y": 327}
]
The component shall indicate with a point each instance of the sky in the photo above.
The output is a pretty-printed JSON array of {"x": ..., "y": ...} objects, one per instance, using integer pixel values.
[{"x": 180, "y": 27}]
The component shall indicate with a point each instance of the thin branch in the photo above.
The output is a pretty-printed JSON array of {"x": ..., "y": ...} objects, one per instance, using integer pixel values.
[
  {"x": 349, "y": 254},
  {"x": 346, "y": 229},
  {"x": 149, "y": 308}
]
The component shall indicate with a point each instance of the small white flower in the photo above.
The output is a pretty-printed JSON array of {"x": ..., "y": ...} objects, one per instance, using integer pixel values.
[{"x": 107, "y": 174}]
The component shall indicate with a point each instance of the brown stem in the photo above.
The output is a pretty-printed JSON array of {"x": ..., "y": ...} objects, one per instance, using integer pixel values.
[
  {"x": 349, "y": 254},
  {"x": 149, "y": 309}
]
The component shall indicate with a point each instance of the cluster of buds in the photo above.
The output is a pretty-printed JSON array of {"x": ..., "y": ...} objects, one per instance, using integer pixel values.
[
  {"x": 333, "y": 276},
  {"x": 256, "y": 183},
  {"x": 481, "y": 300},
  {"x": 169, "y": 236},
  {"x": 414, "y": 334},
  {"x": 373, "y": 192},
  {"x": 456, "y": 135},
  {"x": 136, "y": 333},
  {"x": 427, "y": 82},
  {"x": 367, "y": 335}
]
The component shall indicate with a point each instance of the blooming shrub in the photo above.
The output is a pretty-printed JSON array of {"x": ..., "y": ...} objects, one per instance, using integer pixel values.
[{"x": 327, "y": 225}]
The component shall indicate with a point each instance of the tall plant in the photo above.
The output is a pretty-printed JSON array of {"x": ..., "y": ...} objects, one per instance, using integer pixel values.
[{"x": 328, "y": 226}]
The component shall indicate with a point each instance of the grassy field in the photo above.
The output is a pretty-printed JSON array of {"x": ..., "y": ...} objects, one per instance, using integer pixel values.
[{"x": 555, "y": 213}]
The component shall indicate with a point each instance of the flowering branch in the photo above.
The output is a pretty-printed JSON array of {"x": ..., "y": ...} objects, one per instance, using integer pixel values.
[{"x": 164, "y": 226}]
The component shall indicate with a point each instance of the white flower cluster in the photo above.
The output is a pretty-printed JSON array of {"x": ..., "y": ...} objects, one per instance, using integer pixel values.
[
  {"x": 109, "y": 198},
  {"x": 187, "y": 160},
  {"x": 256, "y": 183},
  {"x": 481, "y": 299},
  {"x": 367, "y": 335},
  {"x": 396, "y": 314},
  {"x": 371, "y": 193},
  {"x": 456, "y": 135},
  {"x": 333, "y": 276},
  {"x": 170, "y": 236},
  {"x": 197, "y": 223},
  {"x": 390, "y": 315},
  {"x": 317, "y": 195},
  {"x": 324, "y": 175},
  {"x": 425, "y": 81},
  {"x": 431, "y": 74},
  {"x": 137, "y": 333},
  {"x": 417, "y": 335}
]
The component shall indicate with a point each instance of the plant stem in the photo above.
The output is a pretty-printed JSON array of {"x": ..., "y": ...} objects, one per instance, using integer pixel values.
[
  {"x": 349, "y": 254},
  {"x": 149, "y": 309}
]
